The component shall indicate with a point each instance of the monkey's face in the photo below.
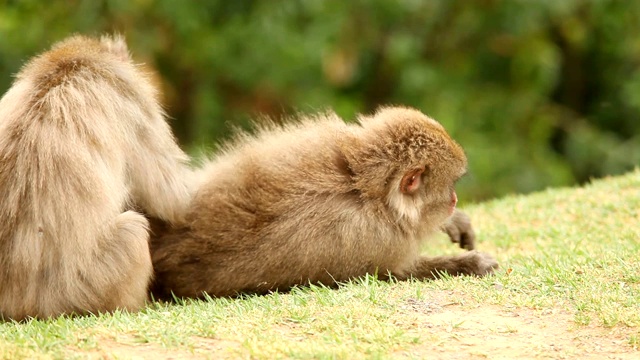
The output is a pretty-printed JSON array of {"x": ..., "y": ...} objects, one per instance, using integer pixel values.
[{"x": 424, "y": 196}]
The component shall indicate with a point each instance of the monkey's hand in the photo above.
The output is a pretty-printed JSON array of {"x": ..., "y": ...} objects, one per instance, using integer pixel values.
[{"x": 460, "y": 231}]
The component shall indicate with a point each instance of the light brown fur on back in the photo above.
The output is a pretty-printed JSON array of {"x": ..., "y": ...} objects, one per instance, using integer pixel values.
[
  {"x": 318, "y": 200},
  {"x": 82, "y": 139}
]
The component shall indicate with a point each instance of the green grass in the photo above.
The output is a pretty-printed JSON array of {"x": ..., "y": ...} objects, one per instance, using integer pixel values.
[
  {"x": 563, "y": 251},
  {"x": 575, "y": 248}
]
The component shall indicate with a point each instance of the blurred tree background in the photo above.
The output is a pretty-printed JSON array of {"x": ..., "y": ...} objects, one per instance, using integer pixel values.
[{"x": 539, "y": 93}]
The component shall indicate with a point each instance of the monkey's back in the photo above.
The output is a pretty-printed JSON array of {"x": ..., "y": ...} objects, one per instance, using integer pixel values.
[
  {"x": 62, "y": 172},
  {"x": 275, "y": 210}
]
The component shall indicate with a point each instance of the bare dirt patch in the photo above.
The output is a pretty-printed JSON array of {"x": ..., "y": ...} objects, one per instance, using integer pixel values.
[
  {"x": 204, "y": 348},
  {"x": 453, "y": 331}
]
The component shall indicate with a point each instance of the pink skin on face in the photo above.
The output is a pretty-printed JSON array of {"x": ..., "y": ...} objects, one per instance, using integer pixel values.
[{"x": 454, "y": 201}]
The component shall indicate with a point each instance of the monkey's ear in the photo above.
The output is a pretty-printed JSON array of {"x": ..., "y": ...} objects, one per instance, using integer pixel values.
[
  {"x": 411, "y": 181},
  {"x": 116, "y": 45}
]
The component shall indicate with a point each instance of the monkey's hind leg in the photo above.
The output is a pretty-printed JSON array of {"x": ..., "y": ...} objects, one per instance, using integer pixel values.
[
  {"x": 470, "y": 263},
  {"x": 124, "y": 264}
]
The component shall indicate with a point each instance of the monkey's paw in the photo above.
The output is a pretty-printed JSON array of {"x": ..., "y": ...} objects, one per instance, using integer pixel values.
[
  {"x": 460, "y": 231},
  {"x": 479, "y": 263}
]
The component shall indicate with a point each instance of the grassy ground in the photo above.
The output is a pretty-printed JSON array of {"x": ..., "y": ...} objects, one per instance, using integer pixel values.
[{"x": 569, "y": 287}]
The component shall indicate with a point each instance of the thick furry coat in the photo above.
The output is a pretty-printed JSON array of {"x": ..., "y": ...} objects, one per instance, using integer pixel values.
[
  {"x": 316, "y": 201},
  {"x": 82, "y": 139}
]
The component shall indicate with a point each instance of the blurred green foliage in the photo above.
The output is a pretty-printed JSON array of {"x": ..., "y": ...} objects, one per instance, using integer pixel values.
[{"x": 539, "y": 93}]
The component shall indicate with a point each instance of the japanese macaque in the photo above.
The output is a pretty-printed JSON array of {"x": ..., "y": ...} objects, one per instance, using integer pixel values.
[
  {"x": 83, "y": 142},
  {"x": 319, "y": 201}
]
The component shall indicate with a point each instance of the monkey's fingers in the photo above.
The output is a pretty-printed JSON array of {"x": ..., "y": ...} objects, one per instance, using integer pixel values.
[
  {"x": 468, "y": 239},
  {"x": 452, "y": 230},
  {"x": 460, "y": 231},
  {"x": 461, "y": 234}
]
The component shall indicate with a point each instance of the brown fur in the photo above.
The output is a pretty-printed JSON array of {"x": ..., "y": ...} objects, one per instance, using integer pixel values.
[
  {"x": 82, "y": 140},
  {"x": 460, "y": 231},
  {"x": 318, "y": 201}
]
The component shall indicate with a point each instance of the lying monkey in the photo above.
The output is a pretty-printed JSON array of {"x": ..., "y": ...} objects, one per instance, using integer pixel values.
[{"x": 319, "y": 201}]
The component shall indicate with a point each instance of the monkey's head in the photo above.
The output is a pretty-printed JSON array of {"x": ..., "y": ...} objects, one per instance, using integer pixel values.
[
  {"x": 406, "y": 161},
  {"x": 74, "y": 52}
]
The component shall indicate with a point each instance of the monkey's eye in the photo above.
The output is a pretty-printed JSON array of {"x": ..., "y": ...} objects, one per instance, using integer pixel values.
[{"x": 411, "y": 181}]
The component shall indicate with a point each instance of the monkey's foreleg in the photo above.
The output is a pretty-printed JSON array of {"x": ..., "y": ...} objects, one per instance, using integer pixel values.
[{"x": 470, "y": 263}]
